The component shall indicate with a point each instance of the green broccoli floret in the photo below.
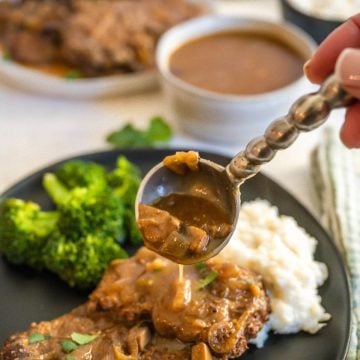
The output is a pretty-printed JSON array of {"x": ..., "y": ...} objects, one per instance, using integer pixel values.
[
  {"x": 79, "y": 173},
  {"x": 82, "y": 236},
  {"x": 24, "y": 229},
  {"x": 86, "y": 210},
  {"x": 125, "y": 180},
  {"x": 81, "y": 263}
]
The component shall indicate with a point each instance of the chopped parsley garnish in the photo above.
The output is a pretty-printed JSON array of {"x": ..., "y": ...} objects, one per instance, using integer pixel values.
[
  {"x": 76, "y": 339},
  {"x": 68, "y": 345},
  {"x": 6, "y": 56},
  {"x": 37, "y": 337},
  {"x": 82, "y": 339},
  {"x": 208, "y": 279},
  {"x": 201, "y": 267},
  {"x": 158, "y": 132},
  {"x": 73, "y": 75}
]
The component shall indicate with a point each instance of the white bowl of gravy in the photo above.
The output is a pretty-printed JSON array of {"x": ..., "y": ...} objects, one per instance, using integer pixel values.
[{"x": 226, "y": 78}]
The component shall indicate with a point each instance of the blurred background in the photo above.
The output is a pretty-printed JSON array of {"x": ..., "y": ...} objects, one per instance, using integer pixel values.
[{"x": 43, "y": 120}]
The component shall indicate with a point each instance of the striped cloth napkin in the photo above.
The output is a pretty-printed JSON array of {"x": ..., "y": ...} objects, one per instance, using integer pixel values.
[{"x": 336, "y": 175}]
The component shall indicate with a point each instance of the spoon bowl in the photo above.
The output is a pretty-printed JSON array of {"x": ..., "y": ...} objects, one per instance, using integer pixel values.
[{"x": 210, "y": 182}]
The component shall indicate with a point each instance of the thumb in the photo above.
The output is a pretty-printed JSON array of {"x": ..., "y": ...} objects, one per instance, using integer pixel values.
[{"x": 347, "y": 70}]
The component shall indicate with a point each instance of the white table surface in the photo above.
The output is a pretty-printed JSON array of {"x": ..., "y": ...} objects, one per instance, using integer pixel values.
[{"x": 36, "y": 131}]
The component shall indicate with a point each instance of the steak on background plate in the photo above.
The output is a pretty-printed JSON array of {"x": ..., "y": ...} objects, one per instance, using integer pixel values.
[{"x": 96, "y": 37}]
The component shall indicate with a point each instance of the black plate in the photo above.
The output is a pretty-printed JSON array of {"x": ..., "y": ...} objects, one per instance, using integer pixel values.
[{"x": 27, "y": 296}]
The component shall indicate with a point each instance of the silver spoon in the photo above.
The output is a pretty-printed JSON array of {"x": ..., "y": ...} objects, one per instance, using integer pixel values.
[{"x": 222, "y": 184}]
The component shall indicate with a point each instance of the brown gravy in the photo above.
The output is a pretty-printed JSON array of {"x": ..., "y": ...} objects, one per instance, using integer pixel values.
[
  {"x": 237, "y": 63},
  {"x": 195, "y": 211},
  {"x": 184, "y": 228},
  {"x": 55, "y": 69}
]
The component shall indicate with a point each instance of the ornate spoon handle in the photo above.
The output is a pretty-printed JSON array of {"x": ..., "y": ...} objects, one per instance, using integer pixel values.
[{"x": 306, "y": 114}]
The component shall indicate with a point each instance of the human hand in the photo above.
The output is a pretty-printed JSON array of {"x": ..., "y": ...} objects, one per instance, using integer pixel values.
[{"x": 340, "y": 53}]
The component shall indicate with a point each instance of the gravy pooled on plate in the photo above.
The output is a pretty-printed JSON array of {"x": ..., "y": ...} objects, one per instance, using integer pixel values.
[{"x": 237, "y": 63}]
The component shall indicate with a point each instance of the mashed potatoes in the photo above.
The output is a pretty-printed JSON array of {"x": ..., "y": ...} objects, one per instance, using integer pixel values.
[{"x": 283, "y": 253}]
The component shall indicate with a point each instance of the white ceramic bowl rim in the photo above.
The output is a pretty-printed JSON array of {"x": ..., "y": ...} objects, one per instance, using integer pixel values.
[
  {"x": 237, "y": 22},
  {"x": 33, "y": 80},
  {"x": 17, "y": 66}
]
